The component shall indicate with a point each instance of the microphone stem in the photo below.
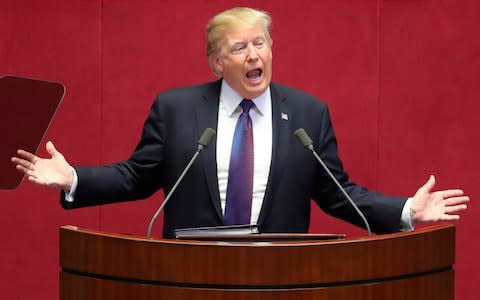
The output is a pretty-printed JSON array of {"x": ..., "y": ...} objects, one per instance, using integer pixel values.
[
  {"x": 155, "y": 216},
  {"x": 310, "y": 147}
]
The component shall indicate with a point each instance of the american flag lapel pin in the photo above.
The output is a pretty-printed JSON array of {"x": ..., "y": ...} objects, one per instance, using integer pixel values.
[{"x": 284, "y": 116}]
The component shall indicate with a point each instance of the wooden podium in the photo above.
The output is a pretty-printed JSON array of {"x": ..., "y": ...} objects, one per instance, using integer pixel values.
[{"x": 408, "y": 265}]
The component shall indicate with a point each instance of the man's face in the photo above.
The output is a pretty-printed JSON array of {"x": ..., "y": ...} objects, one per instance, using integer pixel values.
[{"x": 245, "y": 61}]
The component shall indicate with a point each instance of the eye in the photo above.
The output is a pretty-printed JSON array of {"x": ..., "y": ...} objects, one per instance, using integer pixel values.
[
  {"x": 259, "y": 43},
  {"x": 237, "y": 48}
]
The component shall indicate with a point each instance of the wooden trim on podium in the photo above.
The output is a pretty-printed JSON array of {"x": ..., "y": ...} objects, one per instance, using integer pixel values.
[{"x": 408, "y": 265}]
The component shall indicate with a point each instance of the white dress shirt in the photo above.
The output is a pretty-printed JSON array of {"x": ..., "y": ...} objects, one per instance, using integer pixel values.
[{"x": 229, "y": 111}]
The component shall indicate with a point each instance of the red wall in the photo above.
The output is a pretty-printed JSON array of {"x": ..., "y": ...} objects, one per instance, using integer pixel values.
[{"x": 401, "y": 79}]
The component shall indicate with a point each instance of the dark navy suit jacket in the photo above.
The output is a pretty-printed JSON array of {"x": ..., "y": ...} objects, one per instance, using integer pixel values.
[{"x": 176, "y": 121}]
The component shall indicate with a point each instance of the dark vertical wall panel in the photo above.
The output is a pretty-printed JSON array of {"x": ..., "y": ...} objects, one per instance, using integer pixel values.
[
  {"x": 430, "y": 70},
  {"x": 54, "y": 40},
  {"x": 157, "y": 46},
  {"x": 330, "y": 49}
]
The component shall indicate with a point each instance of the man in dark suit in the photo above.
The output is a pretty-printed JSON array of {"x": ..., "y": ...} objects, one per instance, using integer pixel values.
[{"x": 284, "y": 176}]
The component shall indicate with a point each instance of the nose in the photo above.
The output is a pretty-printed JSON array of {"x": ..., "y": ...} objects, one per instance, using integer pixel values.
[{"x": 252, "y": 54}]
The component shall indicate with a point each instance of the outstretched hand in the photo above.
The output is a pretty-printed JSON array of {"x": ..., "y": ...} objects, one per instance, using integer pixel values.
[
  {"x": 429, "y": 206},
  {"x": 53, "y": 172}
]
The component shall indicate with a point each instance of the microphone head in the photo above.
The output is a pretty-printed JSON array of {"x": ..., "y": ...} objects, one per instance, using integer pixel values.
[
  {"x": 206, "y": 137},
  {"x": 303, "y": 137}
]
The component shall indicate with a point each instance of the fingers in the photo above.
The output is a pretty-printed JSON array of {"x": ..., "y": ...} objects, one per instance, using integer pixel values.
[
  {"x": 456, "y": 200},
  {"x": 428, "y": 186},
  {"x": 25, "y": 161},
  {"x": 455, "y": 208},
  {"x": 450, "y": 218},
  {"x": 27, "y": 155},
  {"x": 450, "y": 193},
  {"x": 21, "y": 169},
  {"x": 23, "y": 164},
  {"x": 454, "y": 205},
  {"x": 51, "y": 149},
  {"x": 26, "y": 171}
]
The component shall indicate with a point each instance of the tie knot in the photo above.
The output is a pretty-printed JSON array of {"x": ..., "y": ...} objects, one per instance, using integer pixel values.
[{"x": 246, "y": 105}]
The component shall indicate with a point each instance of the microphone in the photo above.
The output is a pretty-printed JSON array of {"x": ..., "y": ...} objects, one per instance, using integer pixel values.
[
  {"x": 303, "y": 137},
  {"x": 202, "y": 144}
]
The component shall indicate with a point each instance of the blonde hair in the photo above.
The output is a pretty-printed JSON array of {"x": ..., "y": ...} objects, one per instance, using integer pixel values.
[{"x": 238, "y": 17}]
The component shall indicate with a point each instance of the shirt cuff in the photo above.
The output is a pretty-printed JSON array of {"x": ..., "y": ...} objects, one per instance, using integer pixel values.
[
  {"x": 406, "y": 223},
  {"x": 70, "y": 195}
]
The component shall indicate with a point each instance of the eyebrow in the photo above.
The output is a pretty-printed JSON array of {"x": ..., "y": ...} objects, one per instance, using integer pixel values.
[{"x": 259, "y": 37}]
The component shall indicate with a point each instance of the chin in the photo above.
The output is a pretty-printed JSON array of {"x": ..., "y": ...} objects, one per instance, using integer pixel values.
[{"x": 257, "y": 90}]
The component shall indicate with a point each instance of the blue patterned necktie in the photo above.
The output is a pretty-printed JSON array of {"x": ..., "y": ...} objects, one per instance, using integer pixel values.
[{"x": 240, "y": 171}]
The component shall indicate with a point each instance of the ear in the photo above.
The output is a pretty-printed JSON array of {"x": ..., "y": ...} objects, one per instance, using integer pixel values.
[{"x": 217, "y": 64}]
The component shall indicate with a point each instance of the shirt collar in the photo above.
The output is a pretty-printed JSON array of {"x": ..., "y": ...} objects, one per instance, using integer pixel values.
[{"x": 231, "y": 99}]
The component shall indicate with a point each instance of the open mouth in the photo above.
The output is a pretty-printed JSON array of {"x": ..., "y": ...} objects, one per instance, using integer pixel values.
[{"x": 254, "y": 74}]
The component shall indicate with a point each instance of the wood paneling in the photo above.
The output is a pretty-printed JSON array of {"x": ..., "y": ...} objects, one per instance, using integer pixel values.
[{"x": 378, "y": 265}]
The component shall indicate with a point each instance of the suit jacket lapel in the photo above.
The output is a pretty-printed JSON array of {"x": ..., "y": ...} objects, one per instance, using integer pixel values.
[
  {"x": 207, "y": 117},
  {"x": 281, "y": 137}
]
